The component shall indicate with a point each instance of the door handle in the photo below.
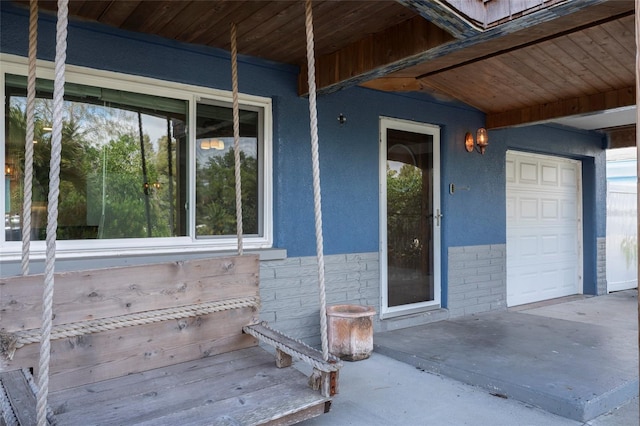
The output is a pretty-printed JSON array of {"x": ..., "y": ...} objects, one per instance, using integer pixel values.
[{"x": 438, "y": 216}]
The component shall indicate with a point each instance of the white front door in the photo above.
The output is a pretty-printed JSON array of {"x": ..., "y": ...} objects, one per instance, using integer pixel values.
[
  {"x": 409, "y": 216},
  {"x": 544, "y": 228}
]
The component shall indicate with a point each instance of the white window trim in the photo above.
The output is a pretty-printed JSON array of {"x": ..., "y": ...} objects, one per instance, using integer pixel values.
[{"x": 11, "y": 250}]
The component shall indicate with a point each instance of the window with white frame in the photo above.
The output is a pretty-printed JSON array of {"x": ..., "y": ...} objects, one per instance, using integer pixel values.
[
  {"x": 130, "y": 170},
  {"x": 215, "y": 172}
]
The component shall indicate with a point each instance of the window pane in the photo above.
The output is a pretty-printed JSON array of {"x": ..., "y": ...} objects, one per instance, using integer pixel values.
[
  {"x": 215, "y": 178},
  {"x": 123, "y": 167}
]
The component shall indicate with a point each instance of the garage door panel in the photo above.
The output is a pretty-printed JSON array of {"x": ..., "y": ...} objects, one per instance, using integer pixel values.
[
  {"x": 550, "y": 209},
  {"x": 549, "y": 281},
  {"x": 549, "y": 175},
  {"x": 510, "y": 171},
  {"x": 532, "y": 284},
  {"x": 562, "y": 247},
  {"x": 550, "y": 244},
  {"x": 528, "y": 208},
  {"x": 568, "y": 246},
  {"x": 528, "y": 173},
  {"x": 528, "y": 246},
  {"x": 568, "y": 177},
  {"x": 569, "y": 275},
  {"x": 568, "y": 209},
  {"x": 527, "y": 282},
  {"x": 543, "y": 228},
  {"x": 511, "y": 208}
]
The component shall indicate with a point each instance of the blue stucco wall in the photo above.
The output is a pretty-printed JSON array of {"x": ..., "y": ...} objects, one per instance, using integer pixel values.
[{"x": 349, "y": 153}]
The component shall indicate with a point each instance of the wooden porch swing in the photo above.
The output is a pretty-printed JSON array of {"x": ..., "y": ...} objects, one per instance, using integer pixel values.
[{"x": 163, "y": 344}]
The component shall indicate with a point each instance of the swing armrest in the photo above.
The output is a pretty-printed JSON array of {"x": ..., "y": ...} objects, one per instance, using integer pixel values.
[{"x": 293, "y": 347}]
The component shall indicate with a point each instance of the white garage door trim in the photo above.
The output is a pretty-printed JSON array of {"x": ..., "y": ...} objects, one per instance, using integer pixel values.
[{"x": 544, "y": 227}]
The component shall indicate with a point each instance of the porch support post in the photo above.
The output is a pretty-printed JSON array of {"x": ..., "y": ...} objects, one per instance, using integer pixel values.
[{"x": 637, "y": 12}]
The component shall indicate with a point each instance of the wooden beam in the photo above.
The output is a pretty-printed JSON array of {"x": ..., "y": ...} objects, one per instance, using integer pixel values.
[
  {"x": 375, "y": 55},
  {"x": 391, "y": 84},
  {"x": 566, "y": 107},
  {"x": 623, "y": 137},
  {"x": 466, "y": 18},
  {"x": 444, "y": 17},
  {"x": 405, "y": 45}
]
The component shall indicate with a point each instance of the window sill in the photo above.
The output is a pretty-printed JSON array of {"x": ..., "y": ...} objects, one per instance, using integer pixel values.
[{"x": 11, "y": 252}]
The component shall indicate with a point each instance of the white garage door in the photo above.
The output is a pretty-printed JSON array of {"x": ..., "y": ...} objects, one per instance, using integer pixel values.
[{"x": 544, "y": 228}]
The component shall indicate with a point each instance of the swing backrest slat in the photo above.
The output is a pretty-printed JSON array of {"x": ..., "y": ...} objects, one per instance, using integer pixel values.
[{"x": 112, "y": 292}]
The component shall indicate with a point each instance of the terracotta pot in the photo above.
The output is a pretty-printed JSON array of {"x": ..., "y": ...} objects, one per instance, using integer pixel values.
[{"x": 350, "y": 331}]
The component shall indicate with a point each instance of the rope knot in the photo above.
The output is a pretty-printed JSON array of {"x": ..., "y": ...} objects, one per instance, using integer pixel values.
[{"x": 8, "y": 344}]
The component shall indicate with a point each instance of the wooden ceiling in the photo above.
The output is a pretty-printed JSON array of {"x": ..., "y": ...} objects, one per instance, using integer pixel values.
[{"x": 528, "y": 64}]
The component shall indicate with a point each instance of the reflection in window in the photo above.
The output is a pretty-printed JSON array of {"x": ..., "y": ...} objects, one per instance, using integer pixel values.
[
  {"x": 215, "y": 176},
  {"x": 123, "y": 167}
]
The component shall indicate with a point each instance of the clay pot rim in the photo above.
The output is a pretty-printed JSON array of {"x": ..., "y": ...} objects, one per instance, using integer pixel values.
[{"x": 350, "y": 311}]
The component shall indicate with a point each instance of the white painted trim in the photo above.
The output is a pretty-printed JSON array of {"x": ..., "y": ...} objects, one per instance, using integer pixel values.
[
  {"x": 12, "y": 64},
  {"x": 434, "y": 131}
]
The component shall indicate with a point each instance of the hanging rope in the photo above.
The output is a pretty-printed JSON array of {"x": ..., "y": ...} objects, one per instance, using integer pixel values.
[
  {"x": 52, "y": 211},
  {"x": 313, "y": 115},
  {"x": 34, "y": 389},
  {"x": 28, "y": 142},
  {"x": 236, "y": 133},
  {"x": 6, "y": 410},
  {"x": 10, "y": 342}
]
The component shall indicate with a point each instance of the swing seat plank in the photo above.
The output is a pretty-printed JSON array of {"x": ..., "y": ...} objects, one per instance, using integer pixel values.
[
  {"x": 241, "y": 387},
  {"x": 188, "y": 362}
]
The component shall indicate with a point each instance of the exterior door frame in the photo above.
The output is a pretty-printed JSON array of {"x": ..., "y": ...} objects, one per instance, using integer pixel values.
[{"x": 434, "y": 131}]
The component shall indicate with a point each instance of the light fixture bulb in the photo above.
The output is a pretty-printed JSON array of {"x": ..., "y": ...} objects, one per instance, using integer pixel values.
[
  {"x": 482, "y": 139},
  {"x": 468, "y": 141}
]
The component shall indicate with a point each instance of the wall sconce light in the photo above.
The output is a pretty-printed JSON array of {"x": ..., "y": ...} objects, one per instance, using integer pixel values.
[
  {"x": 206, "y": 144},
  {"x": 7, "y": 169},
  {"x": 481, "y": 142}
]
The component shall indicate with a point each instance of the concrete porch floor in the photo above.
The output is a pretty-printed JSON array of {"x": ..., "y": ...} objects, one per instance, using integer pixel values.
[{"x": 575, "y": 357}]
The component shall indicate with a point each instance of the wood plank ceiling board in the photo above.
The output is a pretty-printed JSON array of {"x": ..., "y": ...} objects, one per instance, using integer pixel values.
[
  {"x": 608, "y": 11},
  {"x": 263, "y": 24},
  {"x": 195, "y": 28},
  {"x": 552, "y": 58},
  {"x": 142, "y": 20},
  {"x": 576, "y": 50},
  {"x": 93, "y": 10},
  {"x": 519, "y": 82},
  {"x": 74, "y": 8},
  {"x": 338, "y": 24},
  {"x": 580, "y": 105},
  {"x": 196, "y": 22},
  {"x": 278, "y": 25},
  {"x": 613, "y": 50},
  {"x": 116, "y": 12},
  {"x": 588, "y": 62},
  {"x": 220, "y": 37}
]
